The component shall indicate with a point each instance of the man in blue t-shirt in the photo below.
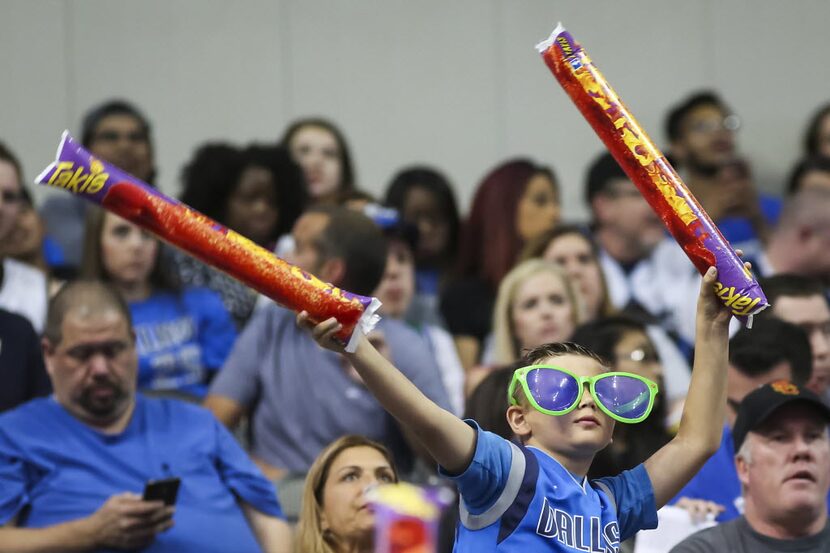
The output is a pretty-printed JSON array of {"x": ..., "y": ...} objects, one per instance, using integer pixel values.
[
  {"x": 72, "y": 466},
  {"x": 772, "y": 350},
  {"x": 535, "y": 496}
]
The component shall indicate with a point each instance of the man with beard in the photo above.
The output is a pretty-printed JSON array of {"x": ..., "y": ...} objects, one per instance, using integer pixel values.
[
  {"x": 72, "y": 465},
  {"x": 117, "y": 132},
  {"x": 701, "y": 132}
]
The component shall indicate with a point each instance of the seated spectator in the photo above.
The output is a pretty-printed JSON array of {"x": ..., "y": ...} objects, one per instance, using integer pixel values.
[
  {"x": 572, "y": 249},
  {"x": 817, "y": 135},
  {"x": 624, "y": 344},
  {"x": 74, "y": 463},
  {"x": 29, "y": 244},
  {"x": 800, "y": 243},
  {"x": 702, "y": 134},
  {"x": 299, "y": 396},
  {"x": 783, "y": 463},
  {"x": 803, "y": 302},
  {"x": 771, "y": 351},
  {"x": 21, "y": 362},
  {"x": 396, "y": 292},
  {"x": 516, "y": 201},
  {"x": 425, "y": 198},
  {"x": 335, "y": 517},
  {"x": 537, "y": 304},
  {"x": 117, "y": 132},
  {"x": 259, "y": 192},
  {"x": 23, "y": 288},
  {"x": 812, "y": 173},
  {"x": 182, "y": 335},
  {"x": 638, "y": 261},
  {"x": 319, "y": 147}
]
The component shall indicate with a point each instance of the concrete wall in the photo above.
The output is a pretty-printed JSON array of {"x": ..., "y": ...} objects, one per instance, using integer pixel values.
[{"x": 453, "y": 83}]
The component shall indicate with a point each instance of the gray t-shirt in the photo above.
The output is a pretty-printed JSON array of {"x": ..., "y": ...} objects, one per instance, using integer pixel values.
[
  {"x": 302, "y": 397},
  {"x": 736, "y": 536}
]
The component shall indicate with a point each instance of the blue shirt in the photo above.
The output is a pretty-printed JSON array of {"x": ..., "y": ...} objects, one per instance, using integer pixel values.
[
  {"x": 740, "y": 233},
  {"x": 54, "y": 468},
  {"x": 181, "y": 339},
  {"x": 718, "y": 481},
  {"x": 516, "y": 498}
]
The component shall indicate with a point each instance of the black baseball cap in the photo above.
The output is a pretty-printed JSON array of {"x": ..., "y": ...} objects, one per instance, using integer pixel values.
[{"x": 759, "y": 404}]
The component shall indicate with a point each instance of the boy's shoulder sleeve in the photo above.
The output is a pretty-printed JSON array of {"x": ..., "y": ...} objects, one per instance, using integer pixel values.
[
  {"x": 632, "y": 495},
  {"x": 496, "y": 477}
]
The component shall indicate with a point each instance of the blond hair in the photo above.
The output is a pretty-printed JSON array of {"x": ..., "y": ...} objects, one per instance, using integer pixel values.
[
  {"x": 506, "y": 345},
  {"x": 536, "y": 248},
  {"x": 311, "y": 538}
]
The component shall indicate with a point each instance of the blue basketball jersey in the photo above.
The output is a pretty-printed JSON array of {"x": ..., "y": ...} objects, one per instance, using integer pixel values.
[{"x": 516, "y": 498}]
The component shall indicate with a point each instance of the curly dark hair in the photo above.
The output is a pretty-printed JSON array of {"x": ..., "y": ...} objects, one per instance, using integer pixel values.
[
  {"x": 436, "y": 184},
  {"x": 213, "y": 173}
]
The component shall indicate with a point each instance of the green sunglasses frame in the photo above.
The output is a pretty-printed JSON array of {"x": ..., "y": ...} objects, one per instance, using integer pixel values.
[{"x": 520, "y": 376}]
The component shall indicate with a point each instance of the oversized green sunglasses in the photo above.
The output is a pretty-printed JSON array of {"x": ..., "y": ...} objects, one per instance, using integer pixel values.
[{"x": 624, "y": 397}]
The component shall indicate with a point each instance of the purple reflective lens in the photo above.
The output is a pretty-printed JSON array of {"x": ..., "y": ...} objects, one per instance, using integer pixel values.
[
  {"x": 553, "y": 390},
  {"x": 623, "y": 395}
]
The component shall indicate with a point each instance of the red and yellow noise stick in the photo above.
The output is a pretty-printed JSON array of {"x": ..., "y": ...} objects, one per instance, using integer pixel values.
[
  {"x": 648, "y": 168},
  {"x": 79, "y": 172}
]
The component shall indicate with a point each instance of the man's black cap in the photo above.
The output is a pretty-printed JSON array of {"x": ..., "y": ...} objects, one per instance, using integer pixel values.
[{"x": 759, "y": 404}]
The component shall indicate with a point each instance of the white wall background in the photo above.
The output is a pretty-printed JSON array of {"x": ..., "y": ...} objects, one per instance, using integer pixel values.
[{"x": 455, "y": 83}]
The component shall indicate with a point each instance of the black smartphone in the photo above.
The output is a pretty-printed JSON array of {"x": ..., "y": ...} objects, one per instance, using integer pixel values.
[{"x": 164, "y": 490}]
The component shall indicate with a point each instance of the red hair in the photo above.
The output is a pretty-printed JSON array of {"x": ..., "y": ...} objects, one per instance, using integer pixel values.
[{"x": 490, "y": 244}]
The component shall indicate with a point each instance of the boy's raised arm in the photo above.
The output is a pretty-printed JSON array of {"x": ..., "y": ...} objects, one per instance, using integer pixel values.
[
  {"x": 449, "y": 440},
  {"x": 701, "y": 426}
]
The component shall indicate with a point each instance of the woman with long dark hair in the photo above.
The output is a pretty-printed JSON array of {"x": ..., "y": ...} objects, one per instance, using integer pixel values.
[{"x": 183, "y": 335}]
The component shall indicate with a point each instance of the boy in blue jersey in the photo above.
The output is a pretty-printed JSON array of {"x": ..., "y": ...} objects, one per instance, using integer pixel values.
[{"x": 563, "y": 407}]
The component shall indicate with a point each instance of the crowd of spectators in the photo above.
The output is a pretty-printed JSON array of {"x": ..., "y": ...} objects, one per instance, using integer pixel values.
[{"x": 124, "y": 359}]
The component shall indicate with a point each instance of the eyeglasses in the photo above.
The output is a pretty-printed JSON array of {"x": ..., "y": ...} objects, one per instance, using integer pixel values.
[
  {"x": 112, "y": 349},
  {"x": 624, "y": 397},
  {"x": 729, "y": 123},
  {"x": 10, "y": 197}
]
